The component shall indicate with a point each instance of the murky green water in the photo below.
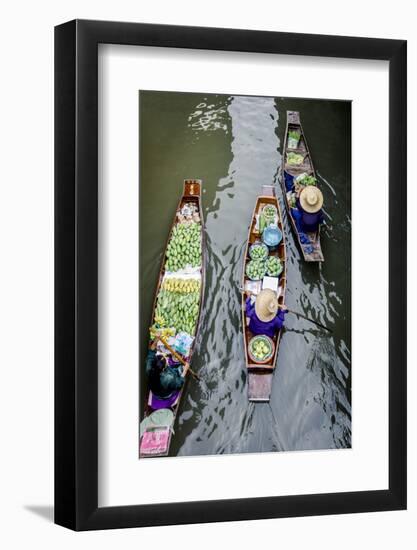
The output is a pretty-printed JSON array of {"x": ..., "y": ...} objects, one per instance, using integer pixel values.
[{"x": 234, "y": 144}]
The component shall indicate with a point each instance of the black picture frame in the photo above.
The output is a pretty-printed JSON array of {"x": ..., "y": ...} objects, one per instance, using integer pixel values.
[{"x": 76, "y": 272}]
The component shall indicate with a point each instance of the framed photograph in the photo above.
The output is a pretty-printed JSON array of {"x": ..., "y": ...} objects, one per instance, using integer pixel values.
[{"x": 230, "y": 252}]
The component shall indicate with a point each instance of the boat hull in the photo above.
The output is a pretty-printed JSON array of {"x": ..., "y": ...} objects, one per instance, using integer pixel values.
[
  {"x": 260, "y": 376},
  {"x": 311, "y": 252},
  {"x": 192, "y": 192}
]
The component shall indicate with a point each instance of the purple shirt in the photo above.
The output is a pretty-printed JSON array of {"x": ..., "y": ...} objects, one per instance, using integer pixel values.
[
  {"x": 309, "y": 221},
  {"x": 256, "y": 326}
]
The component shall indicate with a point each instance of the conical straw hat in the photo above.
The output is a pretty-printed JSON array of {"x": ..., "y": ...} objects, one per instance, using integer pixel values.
[
  {"x": 311, "y": 199},
  {"x": 266, "y": 305}
]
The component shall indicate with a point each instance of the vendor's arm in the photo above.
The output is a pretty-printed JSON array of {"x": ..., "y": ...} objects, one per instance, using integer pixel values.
[
  {"x": 185, "y": 369},
  {"x": 250, "y": 307},
  {"x": 280, "y": 318}
]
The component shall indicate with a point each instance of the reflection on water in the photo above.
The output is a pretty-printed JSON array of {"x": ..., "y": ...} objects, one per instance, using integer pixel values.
[{"x": 233, "y": 143}]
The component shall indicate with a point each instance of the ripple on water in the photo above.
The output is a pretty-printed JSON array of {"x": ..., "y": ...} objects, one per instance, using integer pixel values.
[{"x": 237, "y": 151}]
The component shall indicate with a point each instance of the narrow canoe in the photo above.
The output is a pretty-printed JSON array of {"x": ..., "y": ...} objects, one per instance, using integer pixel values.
[
  {"x": 311, "y": 250},
  {"x": 191, "y": 195},
  {"x": 260, "y": 375}
]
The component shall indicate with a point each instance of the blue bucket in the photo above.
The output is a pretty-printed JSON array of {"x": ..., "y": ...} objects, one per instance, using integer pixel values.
[{"x": 272, "y": 236}]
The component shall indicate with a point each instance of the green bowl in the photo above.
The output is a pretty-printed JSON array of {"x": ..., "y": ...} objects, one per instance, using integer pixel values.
[
  {"x": 268, "y": 270},
  {"x": 261, "y": 273},
  {"x": 265, "y": 250},
  {"x": 265, "y": 356}
]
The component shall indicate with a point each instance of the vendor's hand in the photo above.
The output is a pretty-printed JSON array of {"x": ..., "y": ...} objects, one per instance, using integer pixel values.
[{"x": 185, "y": 369}]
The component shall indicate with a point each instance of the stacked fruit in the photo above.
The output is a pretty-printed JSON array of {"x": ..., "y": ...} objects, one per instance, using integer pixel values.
[
  {"x": 261, "y": 348},
  {"x": 273, "y": 266},
  {"x": 258, "y": 251},
  {"x": 270, "y": 213},
  {"x": 184, "y": 248},
  {"x": 179, "y": 309},
  {"x": 183, "y": 286},
  {"x": 295, "y": 158},
  {"x": 159, "y": 329},
  {"x": 256, "y": 269}
]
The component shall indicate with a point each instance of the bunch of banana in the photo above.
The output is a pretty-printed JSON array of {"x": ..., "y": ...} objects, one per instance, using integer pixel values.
[
  {"x": 185, "y": 286},
  {"x": 159, "y": 328}
]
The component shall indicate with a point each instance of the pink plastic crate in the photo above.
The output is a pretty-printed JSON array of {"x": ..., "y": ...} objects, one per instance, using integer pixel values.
[{"x": 154, "y": 441}]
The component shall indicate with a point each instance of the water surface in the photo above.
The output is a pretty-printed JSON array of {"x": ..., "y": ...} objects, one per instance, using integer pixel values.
[{"x": 234, "y": 144}]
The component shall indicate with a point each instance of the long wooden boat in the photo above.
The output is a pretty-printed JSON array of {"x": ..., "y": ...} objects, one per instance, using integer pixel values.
[
  {"x": 162, "y": 435},
  {"x": 310, "y": 247},
  {"x": 260, "y": 375}
]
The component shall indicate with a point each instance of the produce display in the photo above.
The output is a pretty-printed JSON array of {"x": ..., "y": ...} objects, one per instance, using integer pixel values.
[
  {"x": 262, "y": 223},
  {"x": 178, "y": 310},
  {"x": 256, "y": 269},
  {"x": 307, "y": 180},
  {"x": 184, "y": 248},
  {"x": 274, "y": 266},
  {"x": 295, "y": 159},
  {"x": 294, "y": 134},
  {"x": 178, "y": 300},
  {"x": 293, "y": 139},
  {"x": 261, "y": 348},
  {"x": 258, "y": 251},
  {"x": 183, "y": 286},
  {"x": 270, "y": 212},
  {"x": 159, "y": 328}
]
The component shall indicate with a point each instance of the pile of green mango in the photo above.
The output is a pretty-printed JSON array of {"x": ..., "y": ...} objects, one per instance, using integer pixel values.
[
  {"x": 256, "y": 269},
  {"x": 260, "y": 347},
  {"x": 258, "y": 251},
  {"x": 274, "y": 266},
  {"x": 178, "y": 310},
  {"x": 184, "y": 247}
]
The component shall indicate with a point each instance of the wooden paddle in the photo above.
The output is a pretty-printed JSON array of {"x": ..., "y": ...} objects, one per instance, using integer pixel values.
[
  {"x": 178, "y": 356},
  {"x": 306, "y": 318}
]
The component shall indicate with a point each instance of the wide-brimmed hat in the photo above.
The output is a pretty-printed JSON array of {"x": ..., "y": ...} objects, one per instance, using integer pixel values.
[
  {"x": 266, "y": 305},
  {"x": 311, "y": 199}
]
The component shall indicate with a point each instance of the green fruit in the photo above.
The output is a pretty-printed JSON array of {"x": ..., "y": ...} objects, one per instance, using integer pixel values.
[
  {"x": 256, "y": 269},
  {"x": 274, "y": 266},
  {"x": 184, "y": 247}
]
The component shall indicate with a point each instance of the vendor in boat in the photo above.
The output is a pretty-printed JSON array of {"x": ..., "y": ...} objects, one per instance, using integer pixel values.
[
  {"x": 164, "y": 379},
  {"x": 265, "y": 315},
  {"x": 310, "y": 213}
]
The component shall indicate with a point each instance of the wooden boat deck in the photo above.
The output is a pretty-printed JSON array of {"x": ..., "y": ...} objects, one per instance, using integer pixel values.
[
  {"x": 260, "y": 375},
  {"x": 294, "y": 123}
]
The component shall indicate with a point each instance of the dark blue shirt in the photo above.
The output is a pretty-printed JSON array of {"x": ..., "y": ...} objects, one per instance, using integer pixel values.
[
  {"x": 163, "y": 383},
  {"x": 256, "y": 326}
]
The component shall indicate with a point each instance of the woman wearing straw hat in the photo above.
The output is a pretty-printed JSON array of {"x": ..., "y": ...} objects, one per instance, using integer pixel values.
[
  {"x": 265, "y": 315},
  {"x": 309, "y": 204}
]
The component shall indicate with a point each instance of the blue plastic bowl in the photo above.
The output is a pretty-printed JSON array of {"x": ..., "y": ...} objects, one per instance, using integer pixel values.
[{"x": 272, "y": 236}]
